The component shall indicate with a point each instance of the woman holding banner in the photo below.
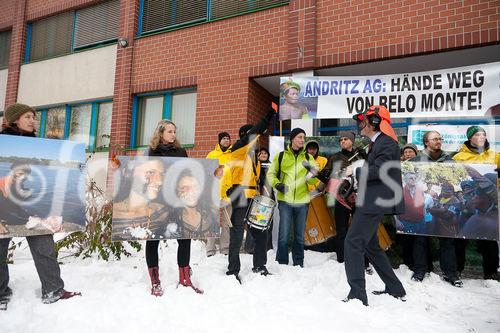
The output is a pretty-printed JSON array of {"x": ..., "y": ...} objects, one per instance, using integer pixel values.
[
  {"x": 165, "y": 143},
  {"x": 21, "y": 121}
]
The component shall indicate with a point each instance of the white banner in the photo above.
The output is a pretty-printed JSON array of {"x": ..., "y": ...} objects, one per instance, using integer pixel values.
[
  {"x": 453, "y": 135},
  {"x": 471, "y": 91}
]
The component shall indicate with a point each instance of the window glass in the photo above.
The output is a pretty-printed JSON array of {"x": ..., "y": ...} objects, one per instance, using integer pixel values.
[
  {"x": 104, "y": 125},
  {"x": 54, "y": 123},
  {"x": 80, "y": 123},
  {"x": 150, "y": 112},
  {"x": 184, "y": 116}
]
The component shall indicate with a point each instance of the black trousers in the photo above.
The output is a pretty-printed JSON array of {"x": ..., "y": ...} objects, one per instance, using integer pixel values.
[
  {"x": 488, "y": 250},
  {"x": 236, "y": 239},
  {"x": 183, "y": 252},
  {"x": 362, "y": 238},
  {"x": 447, "y": 256},
  {"x": 342, "y": 216}
]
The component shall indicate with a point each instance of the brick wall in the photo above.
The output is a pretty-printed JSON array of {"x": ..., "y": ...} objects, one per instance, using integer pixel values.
[
  {"x": 7, "y": 13},
  {"x": 352, "y": 31}
]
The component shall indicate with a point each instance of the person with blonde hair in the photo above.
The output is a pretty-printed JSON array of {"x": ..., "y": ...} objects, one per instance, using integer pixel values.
[{"x": 164, "y": 143}]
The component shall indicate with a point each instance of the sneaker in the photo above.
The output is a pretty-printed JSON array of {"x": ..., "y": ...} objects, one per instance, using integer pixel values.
[
  {"x": 402, "y": 298},
  {"x": 454, "y": 281},
  {"x": 54, "y": 296},
  {"x": 262, "y": 270},
  {"x": 418, "y": 277}
]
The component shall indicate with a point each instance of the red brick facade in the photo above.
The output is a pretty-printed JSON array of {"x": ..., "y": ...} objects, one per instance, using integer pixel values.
[{"x": 221, "y": 58}]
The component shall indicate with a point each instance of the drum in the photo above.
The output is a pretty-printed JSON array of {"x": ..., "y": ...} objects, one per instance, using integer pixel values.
[
  {"x": 260, "y": 212},
  {"x": 320, "y": 225}
]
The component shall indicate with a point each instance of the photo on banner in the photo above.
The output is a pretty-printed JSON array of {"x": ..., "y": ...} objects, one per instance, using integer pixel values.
[
  {"x": 453, "y": 136},
  {"x": 469, "y": 91},
  {"x": 165, "y": 198},
  {"x": 293, "y": 103},
  {"x": 455, "y": 200},
  {"x": 42, "y": 186}
]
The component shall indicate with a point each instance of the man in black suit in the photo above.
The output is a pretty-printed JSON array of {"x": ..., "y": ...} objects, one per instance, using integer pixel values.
[{"x": 379, "y": 193}]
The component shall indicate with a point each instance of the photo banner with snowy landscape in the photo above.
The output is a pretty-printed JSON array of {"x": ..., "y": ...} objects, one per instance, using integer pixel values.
[
  {"x": 42, "y": 186},
  {"x": 456, "y": 200},
  {"x": 165, "y": 198},
  {"x": 470, "y": 91}
]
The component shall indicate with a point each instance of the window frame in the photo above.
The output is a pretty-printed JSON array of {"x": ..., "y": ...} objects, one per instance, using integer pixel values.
[
  {"x": 90, "y": 146},
  {"x": 166, "y": 113}
]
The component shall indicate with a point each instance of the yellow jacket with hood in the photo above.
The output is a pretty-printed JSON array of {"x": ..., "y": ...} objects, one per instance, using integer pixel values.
[{"x": 467, "y": 154}]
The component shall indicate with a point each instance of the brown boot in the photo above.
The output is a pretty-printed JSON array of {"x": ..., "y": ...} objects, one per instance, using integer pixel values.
[
  {"x": 185, "y": 279},
  {"x": 154, "y": 274}
]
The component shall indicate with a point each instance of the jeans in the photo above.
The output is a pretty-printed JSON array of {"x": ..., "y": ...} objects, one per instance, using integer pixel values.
[{"x": 291, "y": 215}]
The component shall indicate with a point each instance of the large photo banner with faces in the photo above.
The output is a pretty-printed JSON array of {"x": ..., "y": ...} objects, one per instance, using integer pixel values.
[
  {"x": 165, "y": 198},
  {"x": 454, "y": 200},
  {"x": 470, "y": 91},
  {"x": 453, "y": 136},
  {"x": 42, "y": 186}
]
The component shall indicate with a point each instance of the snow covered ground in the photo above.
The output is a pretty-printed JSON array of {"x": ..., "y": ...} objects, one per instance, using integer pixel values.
[{"x": 116, "y": 297}]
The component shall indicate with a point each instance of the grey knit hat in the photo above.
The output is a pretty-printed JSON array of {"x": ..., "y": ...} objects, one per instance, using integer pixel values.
[
  {"x": 348, "y": 134},
  {"x": 15, "y": 111}
]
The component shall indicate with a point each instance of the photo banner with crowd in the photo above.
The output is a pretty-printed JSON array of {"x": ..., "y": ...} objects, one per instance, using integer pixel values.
[
  {"x": 165, "y": 198},
  {"x": 42, "y": 186},
  {"x": 470, "y": 91},
  {"x": 456, "y": 200}
]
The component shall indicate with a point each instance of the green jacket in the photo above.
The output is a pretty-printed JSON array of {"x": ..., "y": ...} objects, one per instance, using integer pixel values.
[{"x": 293, "y": 175}]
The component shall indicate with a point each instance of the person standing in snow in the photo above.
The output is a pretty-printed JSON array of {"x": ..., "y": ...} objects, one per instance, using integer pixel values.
[
  {"x": 165, "y": 143},
  {"x": 375, "y": 199},
  {"x": 21, "y": 122}
]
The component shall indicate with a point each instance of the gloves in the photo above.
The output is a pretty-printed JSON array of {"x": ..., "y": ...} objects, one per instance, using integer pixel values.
[
  {"x": 311, "y": 170},
  {"x": 282, "y": 188}
]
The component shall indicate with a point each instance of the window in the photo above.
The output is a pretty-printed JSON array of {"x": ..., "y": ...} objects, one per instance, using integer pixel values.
[
  {"x": 55, "y": 123},
  {"x": 50, "y": 37},
  {"x": 64, "y": 33},
  {"x": 80, "y": 123},
  {"x": 97, "y": 24},
  {"x": 167, "y": 14},
  {"x": 104, "y": 125},
  {"x": 180, "y": 107},
  {"x": 158, "y": 14},
  {"x": 151, "y": 112},
  {"x": 89, "y": 123},
  {"x": 4, "y": 48}
]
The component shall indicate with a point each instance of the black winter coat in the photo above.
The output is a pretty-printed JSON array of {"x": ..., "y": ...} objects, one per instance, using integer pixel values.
[
  {"x": 168, "y": 151},
  {"x": 378, "y": 187}
]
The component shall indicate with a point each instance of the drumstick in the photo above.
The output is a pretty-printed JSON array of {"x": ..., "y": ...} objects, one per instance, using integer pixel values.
[{"x": 228, "y": 218}]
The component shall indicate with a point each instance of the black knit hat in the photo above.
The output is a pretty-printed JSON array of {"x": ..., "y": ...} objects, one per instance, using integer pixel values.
[
  {"x": 244, "y": 129},
  {"x": 296, "y": 131},
  {"x": 15, "y": 111},
  {"x": 223, "y": 135}
]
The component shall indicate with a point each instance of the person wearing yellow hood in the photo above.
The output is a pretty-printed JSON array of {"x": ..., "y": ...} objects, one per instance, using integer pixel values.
[
  {"x": 477, "y": 150},
  {"x": 221, "y": 152}
]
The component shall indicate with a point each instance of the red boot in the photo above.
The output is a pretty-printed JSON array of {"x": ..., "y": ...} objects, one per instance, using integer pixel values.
[
  {"x": 154, "y": 274},
  {"x": 185, "y": 279}
]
